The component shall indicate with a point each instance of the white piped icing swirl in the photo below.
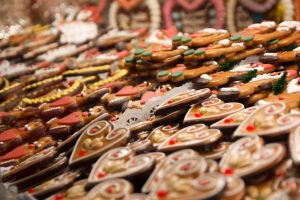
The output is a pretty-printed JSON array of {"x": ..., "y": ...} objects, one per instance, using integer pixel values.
[
  {"x": 293, "y": 86},
  {"x": 206, "y": 77}
]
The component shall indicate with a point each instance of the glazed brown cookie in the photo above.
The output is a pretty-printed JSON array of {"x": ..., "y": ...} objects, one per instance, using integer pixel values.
[
  {"x": 269, "y": 120},
  {"x": 211, "y": 110},
  {"x": 96, "y": 140},
  {"x": 249, "y": 156}
]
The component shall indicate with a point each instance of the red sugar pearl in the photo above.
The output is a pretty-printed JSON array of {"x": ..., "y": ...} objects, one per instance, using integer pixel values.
[
  {"x": 59, "y": 197},
  {"x": 31, "y": 190},
  {"x": 170, "y": 101},
  {"x": 101, "y": 174},
  {"x": 162, "y": 194},
  {"x": 197, "y": 114},
  {"x": 81, "y": 152},
  {"x": 228, "y": 171},
  {"x": 172, "y": 141},
  {"x": 228, "y": 120},
  {"x": 281, "y": 97},
  {"x": 250, "y": 127}
]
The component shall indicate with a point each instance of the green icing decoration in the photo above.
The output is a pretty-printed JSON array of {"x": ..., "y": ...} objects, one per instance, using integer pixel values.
[
  {"x": 189, "y": 52},
  {"x": 147, "y": 53},
  {"x": 177, "y": 38},
  {"x": 199, "y": 52},
  {"x": 235, "y": 37},
  {"x": 163, "y": 73},
  {"x": 229, "y": 65},
  {"x": 273, "y": 42},
  {"x": 279, "y": 85},
  {"x": 177, "y": 74},
  {"x": 250, "y": 75},
  {"x": 186, "y": 40},
  {"x": 129, "y": 59},
  {"x": 139, "y": 62},
  {"x": 248, "y": 38},
  {"x": 138, "y": 51}
]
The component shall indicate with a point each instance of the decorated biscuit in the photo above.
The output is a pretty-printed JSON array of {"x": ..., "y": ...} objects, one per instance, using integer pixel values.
[
  {"x": 259, "y": 83},
  {"x": 249, "y": 156},
  {"x": 183, "y": 99},
  {"x": 54, "y": 185},
  {"x": 76, "y": 191},
  {"x": 211, "y": 110},
  {"x": 216, "y": 151},
  {"x": 281, "y": 57},
  {"x": 111, "y": 189},
  {"x": 235, "y": 119},
  {"x": 269, "y": 120},
  {"x": 166, "y": 164},
  {"x": 191, "y": 136},
  {"x": 60, "y": 128},
  {"x": 237, "y": 73},
  {"x": 120, "y": 162},
  {"x": 96, "y": 140},
  {"x": 162, "y": 133},
  {"x": 12, "y": 138},
  {"x": 29, "y": 161},
  {"x": 235, "y": 188},
  {"x": 187, "y": 180}
]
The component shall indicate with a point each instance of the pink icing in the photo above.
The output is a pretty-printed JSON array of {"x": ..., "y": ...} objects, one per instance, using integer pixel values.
[
  {"x": 146, "y": 96},
  {"x": 292, "y": 72},
  {"x": 127, "y": 90}
]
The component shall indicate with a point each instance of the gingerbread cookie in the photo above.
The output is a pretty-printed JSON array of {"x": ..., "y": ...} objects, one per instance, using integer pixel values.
[
  {"x": 249, "y": 156},
  {"x": 211, "y": 110},
  {"x": 96, "y": 140},
  {"x": 276, "y": 121},
  {"x": 192, "y": 136}
]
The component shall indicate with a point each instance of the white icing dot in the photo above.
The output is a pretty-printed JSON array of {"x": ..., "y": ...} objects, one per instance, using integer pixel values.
[{"x": 206, "y": 77}]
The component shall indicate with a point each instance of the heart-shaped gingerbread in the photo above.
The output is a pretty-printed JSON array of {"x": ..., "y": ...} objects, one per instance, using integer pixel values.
[
  {"x": 168, "y": 163},
  {"x": 129, "y": 4},
  {"x": 120, "y": 162},
  {"x": 161, "y": 133},
  {"x": 188, "y": 180},
  {"x": 249, "y": 156},
  {"x": 235, "y": 119},
  {"x": 269, "y": 120},
  {"x": 181, "y": 100},
  {"x": 211, "y": 110},
  {"x": 191, "y": 136},
  {"x": 96, "y": 140},
  {"x": 111, "y": 189}
]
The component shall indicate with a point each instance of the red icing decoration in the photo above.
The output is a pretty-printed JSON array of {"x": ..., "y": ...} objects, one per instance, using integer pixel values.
[
  {"x": 59, "y": 197},
  {"x": 146, "y": 96},
  {"x": 70, "y": 119},
  {"x": 15, "y": 153},
  {"x": 31, "y": 190},
  {"x": 203, "y": 183},
  {"x": 266, "y": 66},
  {"x": 185, "y": 167},
  {"x": 21, "y": 129},
  {"x": 81, "y": 152},
  {"x": 197, "y": 114},
  {"x": 250, "y": 127},
  {"x": 291, "y": 72},
  {"x": 214, "y": 92},
  {"x": 127, "y": 90},
  {"x": 228, "y": 171},
  {"x": 85, "y": 114},
  {"x": 122, "y": 54},
  {"x": 170, "y": 101},
  {"x": 162, "y": 194},
  {"x": 172, "y": 141},
  {"x": 8, "y": 135},
  {"x": 101, "y": 174},
  {"x": 94, "y": 130},
  {"x": 62, "y": 102},
  {"x": 228, "y": 120}
]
